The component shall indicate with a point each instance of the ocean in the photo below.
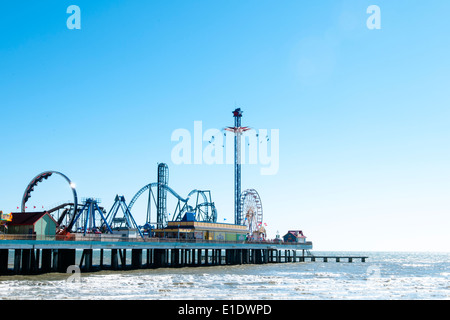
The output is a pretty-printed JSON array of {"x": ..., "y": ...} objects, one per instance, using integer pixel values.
[{"x": 384, "y": 276}]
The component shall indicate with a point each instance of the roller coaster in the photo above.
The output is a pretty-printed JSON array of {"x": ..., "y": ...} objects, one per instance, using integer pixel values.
[{"x": 89, "y": 217}]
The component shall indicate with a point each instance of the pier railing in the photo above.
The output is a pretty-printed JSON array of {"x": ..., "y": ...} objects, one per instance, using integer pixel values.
[{"x": 112, "y": 238}]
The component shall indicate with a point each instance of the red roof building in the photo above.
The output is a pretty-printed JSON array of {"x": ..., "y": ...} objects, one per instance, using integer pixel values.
[
  {"x": 33, "y": 223},
  {"x": 294, "y": 236}
]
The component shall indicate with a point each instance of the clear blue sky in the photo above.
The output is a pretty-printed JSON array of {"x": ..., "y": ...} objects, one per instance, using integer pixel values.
[{"x": 363, "y": 115}]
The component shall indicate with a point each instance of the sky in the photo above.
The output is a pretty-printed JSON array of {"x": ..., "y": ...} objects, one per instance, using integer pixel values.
[{"x": 362, "y": 115}]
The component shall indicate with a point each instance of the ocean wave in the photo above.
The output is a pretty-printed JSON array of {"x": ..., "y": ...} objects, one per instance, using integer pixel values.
[{"x": 414, "y": 277}]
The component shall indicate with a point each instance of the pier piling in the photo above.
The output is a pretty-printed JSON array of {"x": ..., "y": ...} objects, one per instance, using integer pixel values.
[{"x": 4, "y": 255}]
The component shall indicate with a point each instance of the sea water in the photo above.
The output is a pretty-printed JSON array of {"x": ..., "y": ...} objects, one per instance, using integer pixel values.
[{"x": 384, "y": 275}]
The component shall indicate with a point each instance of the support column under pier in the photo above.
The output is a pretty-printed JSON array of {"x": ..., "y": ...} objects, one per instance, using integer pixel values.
[
  {"x": 199, "y": 257},
  {"x": 149, "y": 258},
  {"x": 4, "y": 261},
  {"x": 65, "y": 258},
  {"x": 114, "y": 259},
  {"x": 176, "y": 258},
  {"x": 123, "y": 258},
  {"x": 26, "y": 253},
  {"x": 17, "y": 258},
  {"x": 136, "y": 258},
  {"x": 258, "y": 256},
  {"x": 240, "y": 255},
  {"x": 86, "y": 260},
  {"x": 229, "y": 258},
  {"x": 46, "y": 265},
  {"x": 101, "y": 258},
  {"x": 160, "y": 257},
  {"x": 183, "y": 257}
]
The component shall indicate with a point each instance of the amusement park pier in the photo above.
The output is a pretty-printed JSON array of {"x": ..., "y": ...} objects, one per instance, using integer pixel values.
[{"x": 81, "y": 235}]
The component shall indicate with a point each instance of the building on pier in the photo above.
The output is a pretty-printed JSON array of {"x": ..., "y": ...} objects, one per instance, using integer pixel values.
[
  {"x": 294, "y": 236},
  {"x": 203, "y": 231},
  {"x": 39, "y": 224}
]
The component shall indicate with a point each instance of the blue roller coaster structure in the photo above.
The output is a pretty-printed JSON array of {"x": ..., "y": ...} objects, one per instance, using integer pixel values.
[
  {"x": 92, "y": 217},
  {"x": 88, "y": 217},
  {"x": 204, "y": 208},
  {"x": 118, "y": 223}
]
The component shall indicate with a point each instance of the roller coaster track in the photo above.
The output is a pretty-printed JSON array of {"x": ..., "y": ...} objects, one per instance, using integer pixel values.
[
  {"x": 182, "y": 205},
  {"x": 204, "y": 211}
]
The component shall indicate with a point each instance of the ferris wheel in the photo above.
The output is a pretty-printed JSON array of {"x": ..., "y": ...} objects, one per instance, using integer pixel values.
[{"x": 251, "y": 211}]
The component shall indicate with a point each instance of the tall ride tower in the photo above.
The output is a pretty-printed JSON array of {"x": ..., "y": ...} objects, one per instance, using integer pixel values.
[
  {"x": 161, "y": 204},
  {"x": 237, "y": 130}
]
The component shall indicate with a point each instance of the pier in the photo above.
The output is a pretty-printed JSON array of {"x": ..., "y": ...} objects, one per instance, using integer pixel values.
[
  {"x": 349, "y": 259},
  {"x": 41, "y": 256}
]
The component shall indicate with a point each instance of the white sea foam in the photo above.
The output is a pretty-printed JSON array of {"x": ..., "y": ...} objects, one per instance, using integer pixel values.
[{"x": 383, "y": 276}]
